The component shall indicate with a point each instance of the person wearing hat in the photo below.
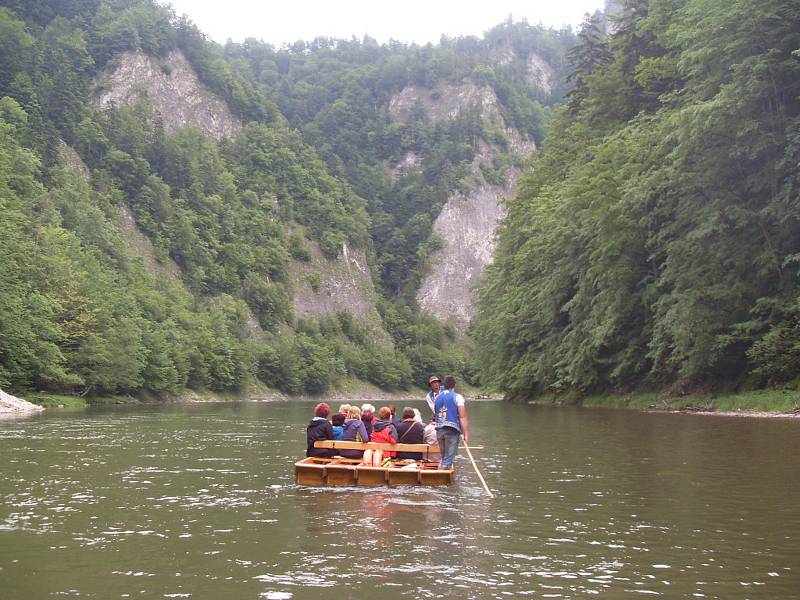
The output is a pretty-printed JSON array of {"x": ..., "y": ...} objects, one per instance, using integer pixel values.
[{"x": 435, "y": 383}]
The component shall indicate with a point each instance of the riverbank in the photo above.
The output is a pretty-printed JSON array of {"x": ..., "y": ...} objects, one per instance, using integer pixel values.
[
  {"x": 350, "y": 391},
  {"x": 759, "y": 403}
]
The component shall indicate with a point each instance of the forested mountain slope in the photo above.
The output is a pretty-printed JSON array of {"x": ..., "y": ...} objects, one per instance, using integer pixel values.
[
  {"x": 655, "y": 242},
  {"x": 157, "y": 236}
]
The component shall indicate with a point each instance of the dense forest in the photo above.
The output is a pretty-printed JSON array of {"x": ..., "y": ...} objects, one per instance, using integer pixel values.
[
  {"x": 655, "y": 243},
  {"x": 80, "y": 312}
]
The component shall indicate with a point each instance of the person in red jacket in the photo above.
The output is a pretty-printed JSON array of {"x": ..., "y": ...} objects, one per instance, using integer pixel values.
[{"x": 383, "y": 431}]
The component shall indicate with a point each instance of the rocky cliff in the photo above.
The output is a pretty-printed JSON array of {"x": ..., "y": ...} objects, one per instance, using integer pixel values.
[
  {"x": 173, "y": 89},
  {"x": 324, "y": 287},
  {"x": 468, "y": 221}
]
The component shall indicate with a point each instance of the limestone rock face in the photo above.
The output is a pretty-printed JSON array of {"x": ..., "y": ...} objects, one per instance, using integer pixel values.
[
  {"x": 73, "y": 162},
  {"x": 540, "y": 74},
  {"x": 173, "y": 89},
  {"x": 324, "y": 287},
  {"x": 444, "y": 102},
  {"x": 466, "y": 224},
  {"x": 140, "y": 245}
]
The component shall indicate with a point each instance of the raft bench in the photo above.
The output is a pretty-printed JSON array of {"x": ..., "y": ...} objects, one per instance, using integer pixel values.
[{"x": 340, "y": 471}]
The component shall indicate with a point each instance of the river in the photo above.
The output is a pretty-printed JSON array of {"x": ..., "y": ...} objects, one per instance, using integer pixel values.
[{"x": 198, "y": 501}]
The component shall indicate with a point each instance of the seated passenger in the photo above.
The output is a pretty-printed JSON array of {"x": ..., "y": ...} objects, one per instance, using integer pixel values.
[
  {"x": 368, "y": 418},
  {"x": 319, "y": 428},
  {"x": 410, "y": 431},
  {"x": 429, "y": 437},
  {"x": 383, "y": 432},
  {"x": 395, "y": 421},
  {"x": 354, "y": 431},
  {"x": 337, "y": 422}
]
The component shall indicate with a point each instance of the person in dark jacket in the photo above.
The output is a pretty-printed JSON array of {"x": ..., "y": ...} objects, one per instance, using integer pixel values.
[
  {"x": 319, "y": 428},
  {"x": 410, "y": 432},
  {"x": 395, "y": 421},
  {"x": 354, "y": 431}
]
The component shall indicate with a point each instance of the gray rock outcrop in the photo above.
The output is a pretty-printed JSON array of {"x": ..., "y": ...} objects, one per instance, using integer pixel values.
[
  {"x": 467, "y": 226},
  {"x": 325, "y": 287},
  {"x": 11, "y": 405},
  {"x": 173, "y": 89}
]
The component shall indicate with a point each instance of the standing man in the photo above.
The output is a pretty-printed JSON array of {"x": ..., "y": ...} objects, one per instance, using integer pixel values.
[
  {"x": 451, "y": 421},
  {"x": 434, "y": 382}
]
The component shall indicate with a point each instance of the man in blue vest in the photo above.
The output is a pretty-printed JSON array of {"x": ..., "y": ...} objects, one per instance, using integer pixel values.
[{"x": 451, "y": 421}]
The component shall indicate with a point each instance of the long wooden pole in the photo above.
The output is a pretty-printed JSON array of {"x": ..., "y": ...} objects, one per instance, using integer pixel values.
[{"x": 477, "y": 471}]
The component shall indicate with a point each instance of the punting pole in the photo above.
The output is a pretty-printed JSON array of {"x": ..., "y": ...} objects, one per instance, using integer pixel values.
[{"x": 477, "y": 471}]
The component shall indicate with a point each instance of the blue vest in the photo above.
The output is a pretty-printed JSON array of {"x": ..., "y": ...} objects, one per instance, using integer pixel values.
[{"x": 446, "y": 411}]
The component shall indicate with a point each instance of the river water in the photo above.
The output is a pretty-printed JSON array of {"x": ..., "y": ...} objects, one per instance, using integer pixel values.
[{"x": 198, "y": 501}]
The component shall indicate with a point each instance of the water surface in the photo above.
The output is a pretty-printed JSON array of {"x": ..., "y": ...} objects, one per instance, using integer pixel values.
[{"x": 198, "y": 501}]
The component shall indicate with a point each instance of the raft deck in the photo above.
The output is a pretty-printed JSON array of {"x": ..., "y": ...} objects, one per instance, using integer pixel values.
[{"x": 340, "y": 471}]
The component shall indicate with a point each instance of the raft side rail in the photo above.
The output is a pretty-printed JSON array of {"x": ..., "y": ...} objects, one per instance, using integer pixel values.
[{"x": 339, "y": 445}]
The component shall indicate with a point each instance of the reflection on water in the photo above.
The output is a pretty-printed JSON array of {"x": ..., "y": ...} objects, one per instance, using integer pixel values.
[{"x": 199, "y": 502}]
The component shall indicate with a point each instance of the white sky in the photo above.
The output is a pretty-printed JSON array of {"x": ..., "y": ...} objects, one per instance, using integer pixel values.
[{"x": 421, "y": 21}]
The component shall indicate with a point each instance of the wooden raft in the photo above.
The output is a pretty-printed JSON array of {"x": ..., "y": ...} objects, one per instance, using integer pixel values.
[{"x": 340, "y": 471}]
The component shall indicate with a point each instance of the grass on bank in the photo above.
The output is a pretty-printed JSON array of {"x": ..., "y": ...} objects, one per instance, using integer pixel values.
[
  {"x": 771, "y": 400},
  {"x": 49, "y": 400}
]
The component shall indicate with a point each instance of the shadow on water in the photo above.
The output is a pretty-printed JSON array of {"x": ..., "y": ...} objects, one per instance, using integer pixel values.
[{"x": 198, "y": 501}]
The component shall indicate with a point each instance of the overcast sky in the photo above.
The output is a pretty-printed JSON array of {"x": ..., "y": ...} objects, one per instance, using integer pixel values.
[{"x": 421, "y": 21}]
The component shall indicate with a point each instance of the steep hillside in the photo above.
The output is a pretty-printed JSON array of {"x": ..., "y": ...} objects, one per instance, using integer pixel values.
[
  {"x": 148, "y": 251},
  {"x": 655, "y": 243},
  {"x": 170, "y": 86}
]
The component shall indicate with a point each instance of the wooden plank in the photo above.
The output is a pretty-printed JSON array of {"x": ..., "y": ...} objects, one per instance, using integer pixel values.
[
  {"x": 437, "y": 477},
  {"x": 402, "y": 476},
  {"x": 370, "y": 476},
  {"x": 337, "y": 445},
  {"x": 341, "y": 475}
]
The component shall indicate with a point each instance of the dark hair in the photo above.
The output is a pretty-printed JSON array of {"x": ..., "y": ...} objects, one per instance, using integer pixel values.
[
  {"x": 366, "y": 415},
  {"x": 392, "y": 409},
  {"x": 322, "y": 409},
  {"x": 338, "y": 419},
  {"x": 385, "y": 413},
  {"x": 408, "y": 412},
  {"x": 449, "y": 382}
]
